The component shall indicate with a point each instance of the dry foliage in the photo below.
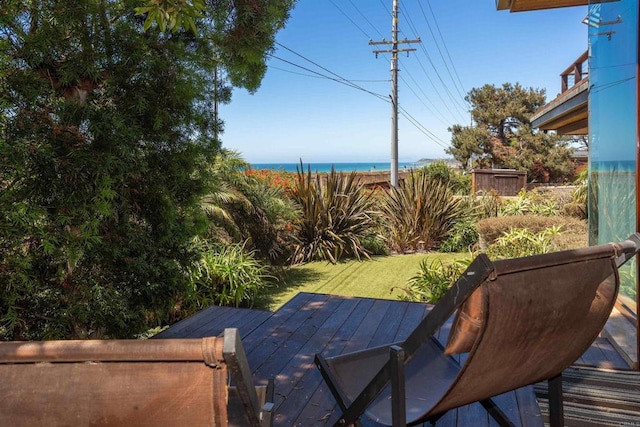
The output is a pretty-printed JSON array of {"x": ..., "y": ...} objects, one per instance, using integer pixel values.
[{"x": 573, "y": 232}]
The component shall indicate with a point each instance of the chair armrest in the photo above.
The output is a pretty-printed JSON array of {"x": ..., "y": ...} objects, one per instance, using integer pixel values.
[{"x": 238, "y": 366}]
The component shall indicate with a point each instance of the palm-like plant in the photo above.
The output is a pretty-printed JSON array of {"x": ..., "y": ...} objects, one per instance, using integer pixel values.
[
  {"x": 422, "y": 209},
  {"x": 336, "y": 214},
  {"x": 226, "y": 191},
  {"x": 242, "y": 208}
]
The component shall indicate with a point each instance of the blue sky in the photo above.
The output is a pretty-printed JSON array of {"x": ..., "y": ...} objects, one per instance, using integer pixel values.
[{"x": 296, "y": 114}]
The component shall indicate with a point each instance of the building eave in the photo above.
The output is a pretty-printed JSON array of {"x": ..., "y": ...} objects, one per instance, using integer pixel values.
[
  {"x": 525, "y": 5},
  {"x": 567, "y": 114}
]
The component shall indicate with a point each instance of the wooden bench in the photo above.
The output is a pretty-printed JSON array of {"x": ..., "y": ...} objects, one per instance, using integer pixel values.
[{"x": 163, "y": 382}]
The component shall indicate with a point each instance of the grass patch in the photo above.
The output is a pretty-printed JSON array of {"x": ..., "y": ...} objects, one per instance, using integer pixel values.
[{"x": 371, "y": 279}]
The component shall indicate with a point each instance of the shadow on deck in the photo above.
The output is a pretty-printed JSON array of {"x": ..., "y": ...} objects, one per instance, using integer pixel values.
[{"x": 282, "y": 346}]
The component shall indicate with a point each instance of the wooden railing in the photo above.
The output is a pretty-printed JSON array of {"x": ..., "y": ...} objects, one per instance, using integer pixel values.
[{"x": 576, "y": 72}]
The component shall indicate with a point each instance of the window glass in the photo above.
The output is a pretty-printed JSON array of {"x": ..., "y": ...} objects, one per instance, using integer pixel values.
[{"x": 612, "y": 125}]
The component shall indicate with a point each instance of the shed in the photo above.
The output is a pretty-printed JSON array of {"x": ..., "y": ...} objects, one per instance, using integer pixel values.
[{"x": 507, "y": 182}]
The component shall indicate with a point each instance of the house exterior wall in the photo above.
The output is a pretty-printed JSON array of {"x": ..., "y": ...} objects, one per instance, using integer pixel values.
[{"x": 613, "y": 124}]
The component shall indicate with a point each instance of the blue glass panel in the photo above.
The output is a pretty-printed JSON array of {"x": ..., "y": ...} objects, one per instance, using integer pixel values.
[{"x": 613, "y": 38}]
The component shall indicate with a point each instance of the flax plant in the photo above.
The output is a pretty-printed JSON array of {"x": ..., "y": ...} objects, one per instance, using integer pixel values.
[
  {"x": 335, "y": 216},
  {"x": 422, "y": 209}
]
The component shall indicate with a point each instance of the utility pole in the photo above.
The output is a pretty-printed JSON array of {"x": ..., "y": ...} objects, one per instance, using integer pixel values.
[{"x": 394, "y": 87}]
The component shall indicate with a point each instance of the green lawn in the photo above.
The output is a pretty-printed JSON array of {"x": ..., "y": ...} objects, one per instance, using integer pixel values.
[{"x": 382, "y": 277}]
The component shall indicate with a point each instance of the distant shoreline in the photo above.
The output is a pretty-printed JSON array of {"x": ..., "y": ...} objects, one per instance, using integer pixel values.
[{"x": 340, "y": 167}]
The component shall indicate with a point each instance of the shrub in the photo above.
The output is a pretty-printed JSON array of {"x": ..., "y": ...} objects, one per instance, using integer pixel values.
[
  {"x": 433, "y": 280},
  {"x": 523, "y": 242},
  {"x": 579, "y": 195},
  {"x": 573, "y": 230},
  {"x": 375, "y": 245},
  {"x": 421, "y": 209},
  {"x": 280, "y": 179},
  {"x": 226, "y": 275},
  {"x": 486, "y": 204},
  {"x": 462, "y": 237},
  {"x": 251, "y": 207},
  {"x": 459, "y": 183},
  {"x": 576, "y": 210},
  {"x": 529, "y": 203},
  {"x": 578, "y": 205},
  {"x": 335, "y": 215}
]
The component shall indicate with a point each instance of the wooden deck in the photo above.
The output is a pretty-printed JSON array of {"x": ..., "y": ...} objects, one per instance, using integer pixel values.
[{"x": 282, "y": 346}]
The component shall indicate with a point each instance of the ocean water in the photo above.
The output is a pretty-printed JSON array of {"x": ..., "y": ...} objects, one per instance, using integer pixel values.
[{"x": 339, "y": 167}]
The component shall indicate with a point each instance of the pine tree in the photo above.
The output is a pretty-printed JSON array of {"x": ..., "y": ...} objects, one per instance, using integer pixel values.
[{"x": 503, "y": 137}]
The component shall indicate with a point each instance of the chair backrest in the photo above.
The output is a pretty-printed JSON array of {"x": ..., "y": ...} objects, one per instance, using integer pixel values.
[
  {"x": 114, "y": 383},
  {"x": 539, "y": 314}
]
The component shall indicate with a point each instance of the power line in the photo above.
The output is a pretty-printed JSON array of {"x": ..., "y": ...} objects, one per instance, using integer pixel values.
[
  {"x": 422, "y": 128},
  {"x": 435, "y": 88},
  {"x": 295, "y": 72},
  {"x": 435, "y": 20},
  {"x": 344, "y": 82},
  {"x": 444, "y": 103},
  {"x": 351, "y": 20},
  {"x": 403, "y": 111},
  {"x": 322, "y": 76},
  {"x": 438, "y": 47},
  {"x": 339, "y": 79},
  {"x": 438, "y": 115},
  {"x": 309, "y": 60},
  {"x": 365, "y": 18},
  {"x": 350, "y": 83},
  {"x": 384, "y": 6},
  {"x": 454, "y": 103}
]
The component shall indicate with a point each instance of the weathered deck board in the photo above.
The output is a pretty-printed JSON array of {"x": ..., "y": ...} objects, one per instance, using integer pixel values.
[
  {"x": 212, "y": 321},
  {"x": 282, "y": 346}
]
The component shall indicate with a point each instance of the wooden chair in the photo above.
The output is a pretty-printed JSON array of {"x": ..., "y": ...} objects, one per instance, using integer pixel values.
[
  {"x": 520, "y": 320},
  {"x": 163, "y": 382}
]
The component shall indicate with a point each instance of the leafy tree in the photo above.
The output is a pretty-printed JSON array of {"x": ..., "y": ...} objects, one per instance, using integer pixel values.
[
  {"x": 503, "y": 136},
  {"x": 106, "y": 140},
  {"x": 245, "y": 30},
  {"x": 469, "y": 144}
]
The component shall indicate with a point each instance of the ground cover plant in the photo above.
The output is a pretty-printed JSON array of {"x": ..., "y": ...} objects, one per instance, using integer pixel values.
[
  {"x": 433, "y": 279},
  {"x": 226, "y": 275}
]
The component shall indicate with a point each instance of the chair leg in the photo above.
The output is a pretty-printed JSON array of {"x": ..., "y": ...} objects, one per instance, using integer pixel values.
[
  {"x": 556, "y": 408},
  {"x": 398, "y": 397},
  {"x": 267, "y": 409},
  {"x": 496, "y": 413}
]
